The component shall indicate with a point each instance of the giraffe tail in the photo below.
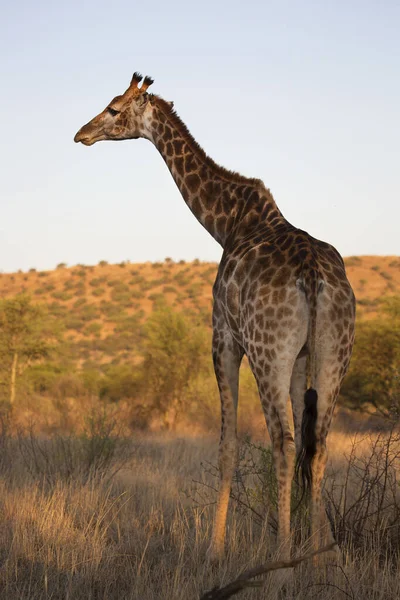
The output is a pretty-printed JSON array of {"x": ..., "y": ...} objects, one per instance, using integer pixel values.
[{"x": 312, "y": 285}]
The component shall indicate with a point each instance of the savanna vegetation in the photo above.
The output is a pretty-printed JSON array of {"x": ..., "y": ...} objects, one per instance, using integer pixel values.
[
  {"x": 136, "y": 339},
  {"x": 109, "y": 416}
]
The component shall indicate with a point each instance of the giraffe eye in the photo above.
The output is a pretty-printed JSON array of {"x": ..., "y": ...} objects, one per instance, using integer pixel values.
[{"x": 112, "y": 111}]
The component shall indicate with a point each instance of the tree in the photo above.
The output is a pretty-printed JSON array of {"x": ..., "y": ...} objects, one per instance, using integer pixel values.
[
  {"x": 374, "y": 374},
  {"x": 26, "y": 336},
  {"x": 177, "y": 351}
]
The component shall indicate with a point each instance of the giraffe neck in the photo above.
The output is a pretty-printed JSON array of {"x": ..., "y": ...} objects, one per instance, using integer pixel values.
[{"x": 225, "y": 203}]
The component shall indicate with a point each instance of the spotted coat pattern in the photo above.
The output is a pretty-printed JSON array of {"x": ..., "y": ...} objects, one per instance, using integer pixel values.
[{"x": 281, "y": 297}]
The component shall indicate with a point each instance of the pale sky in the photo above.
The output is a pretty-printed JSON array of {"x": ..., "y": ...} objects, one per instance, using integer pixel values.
[{"x": 304, "y": 95}]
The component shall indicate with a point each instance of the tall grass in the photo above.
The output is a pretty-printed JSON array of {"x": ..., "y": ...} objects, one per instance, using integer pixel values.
[{"x": 130, "y": 529}]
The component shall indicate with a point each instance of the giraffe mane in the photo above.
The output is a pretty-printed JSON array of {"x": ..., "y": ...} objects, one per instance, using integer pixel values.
[{"x": 173, "y": 117}]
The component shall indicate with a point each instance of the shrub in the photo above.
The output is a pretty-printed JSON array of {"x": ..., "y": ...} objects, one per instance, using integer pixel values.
[
  {"x": 176, "y": 353},
  {"x": 80, "y": 302},
  {"x": 97, "y": 281},
  {"x": 69, "y": 284},
  {"x": 61, "y": 296},
  {"x": 56, "y": 309},
  {"x": 110, "y": 310},
  {"x": 120, "y": 381},
  {"x": 352, "y": 261},
  {"x": 122, "y": 298},
  {"x": 113, "y": 282},
  {"x": 98, "y": 454},
  {"x": 42, "y": 377},
  {"x": 90, "y": 312},
  {"x": 74, "y": 322},
  {"x": 385, "y": 275},
  {"x": 374, "y": 369},
  {"x": 364, "y": 503},
  {"x": 375, "y": 268},
  {"x": 80, "y": 273},
  {"x": 49, "y": 287},
  {"x": 98, "y": 291},
  {"x": 61, "y": 265},
  {"x": 94, "y": 329},
  {"x": 103, "y": 263}
]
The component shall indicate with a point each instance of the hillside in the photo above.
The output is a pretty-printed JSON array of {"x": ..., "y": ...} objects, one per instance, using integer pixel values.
[{"x": 104, "y": 306}]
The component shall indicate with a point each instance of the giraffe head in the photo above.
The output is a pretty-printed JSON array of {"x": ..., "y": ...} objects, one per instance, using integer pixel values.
[{"x": 123, "y": 118}]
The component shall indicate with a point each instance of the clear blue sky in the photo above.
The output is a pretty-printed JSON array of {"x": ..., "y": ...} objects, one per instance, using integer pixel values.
[{"x": 304, "y": 95}]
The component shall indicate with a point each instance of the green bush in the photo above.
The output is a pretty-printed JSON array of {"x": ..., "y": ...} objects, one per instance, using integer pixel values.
[
  {"x": 176, "y": 353},
  {"x": 119, "y": 382},
  {"x": 374, "y": 374},
  {"x": 69, "y": 284},
  {"x": 74, "y": 322},
  {"x": 61, "y": 296},
  {"x": 80, "y": 273},
  {"x": 386, "y": 276},
  {"x": 94, "y": 329},
  {"x": 99, "y": 291},
  {"x": 352, "y": 261},
  {"x": 97, "y": 281},
  {"x": 80, "y": 302}
]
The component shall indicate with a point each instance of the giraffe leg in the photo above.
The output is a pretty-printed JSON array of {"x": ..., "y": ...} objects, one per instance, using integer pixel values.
[
  {"x": 298, "y": 385},
  {"x": 227, "y": 356},
  {"x": 328, "y": 382},
  {"x": 274, "y": 392},
  {"x": 321, "y": 532}
]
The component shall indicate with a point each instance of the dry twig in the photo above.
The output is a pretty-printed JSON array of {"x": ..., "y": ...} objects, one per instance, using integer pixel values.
[{"x": 244, "y": 580}]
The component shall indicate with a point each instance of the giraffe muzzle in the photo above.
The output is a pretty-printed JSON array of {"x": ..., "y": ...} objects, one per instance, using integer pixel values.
[{"x": 83, "y": 137}]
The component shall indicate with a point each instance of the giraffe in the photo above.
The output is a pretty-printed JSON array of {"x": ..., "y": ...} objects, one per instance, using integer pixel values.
[{"x": 280, "y": 296}]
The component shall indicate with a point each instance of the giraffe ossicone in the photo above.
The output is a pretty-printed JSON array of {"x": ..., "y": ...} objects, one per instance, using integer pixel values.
[{"x": 281, "y": 297}]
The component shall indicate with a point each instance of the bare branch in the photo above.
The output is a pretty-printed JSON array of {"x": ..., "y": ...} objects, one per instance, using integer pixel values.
[{"x": 244, "y": 580}]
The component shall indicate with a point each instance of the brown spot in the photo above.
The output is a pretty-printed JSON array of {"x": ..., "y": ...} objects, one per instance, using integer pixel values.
[
  {"x": 209, "y": 223},
  {"x": 193, "y": 182},
  {"x": 168, "y": 134},
  {"x": 196, "y": 206},
  {"x": 178, "y": 145},
  {"x": 179, "y": 165},
  {"x": 190, "y": 163}
]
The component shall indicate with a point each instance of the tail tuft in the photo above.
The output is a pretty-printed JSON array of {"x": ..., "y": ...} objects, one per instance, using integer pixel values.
[{"x": 308, "y": 438}]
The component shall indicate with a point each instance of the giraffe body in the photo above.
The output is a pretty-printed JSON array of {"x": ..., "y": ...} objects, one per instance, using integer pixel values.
[{"x": 281, "y": 297}]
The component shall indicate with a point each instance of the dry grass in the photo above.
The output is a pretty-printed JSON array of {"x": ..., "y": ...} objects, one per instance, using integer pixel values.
[{"x": 139, "y": 535}]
